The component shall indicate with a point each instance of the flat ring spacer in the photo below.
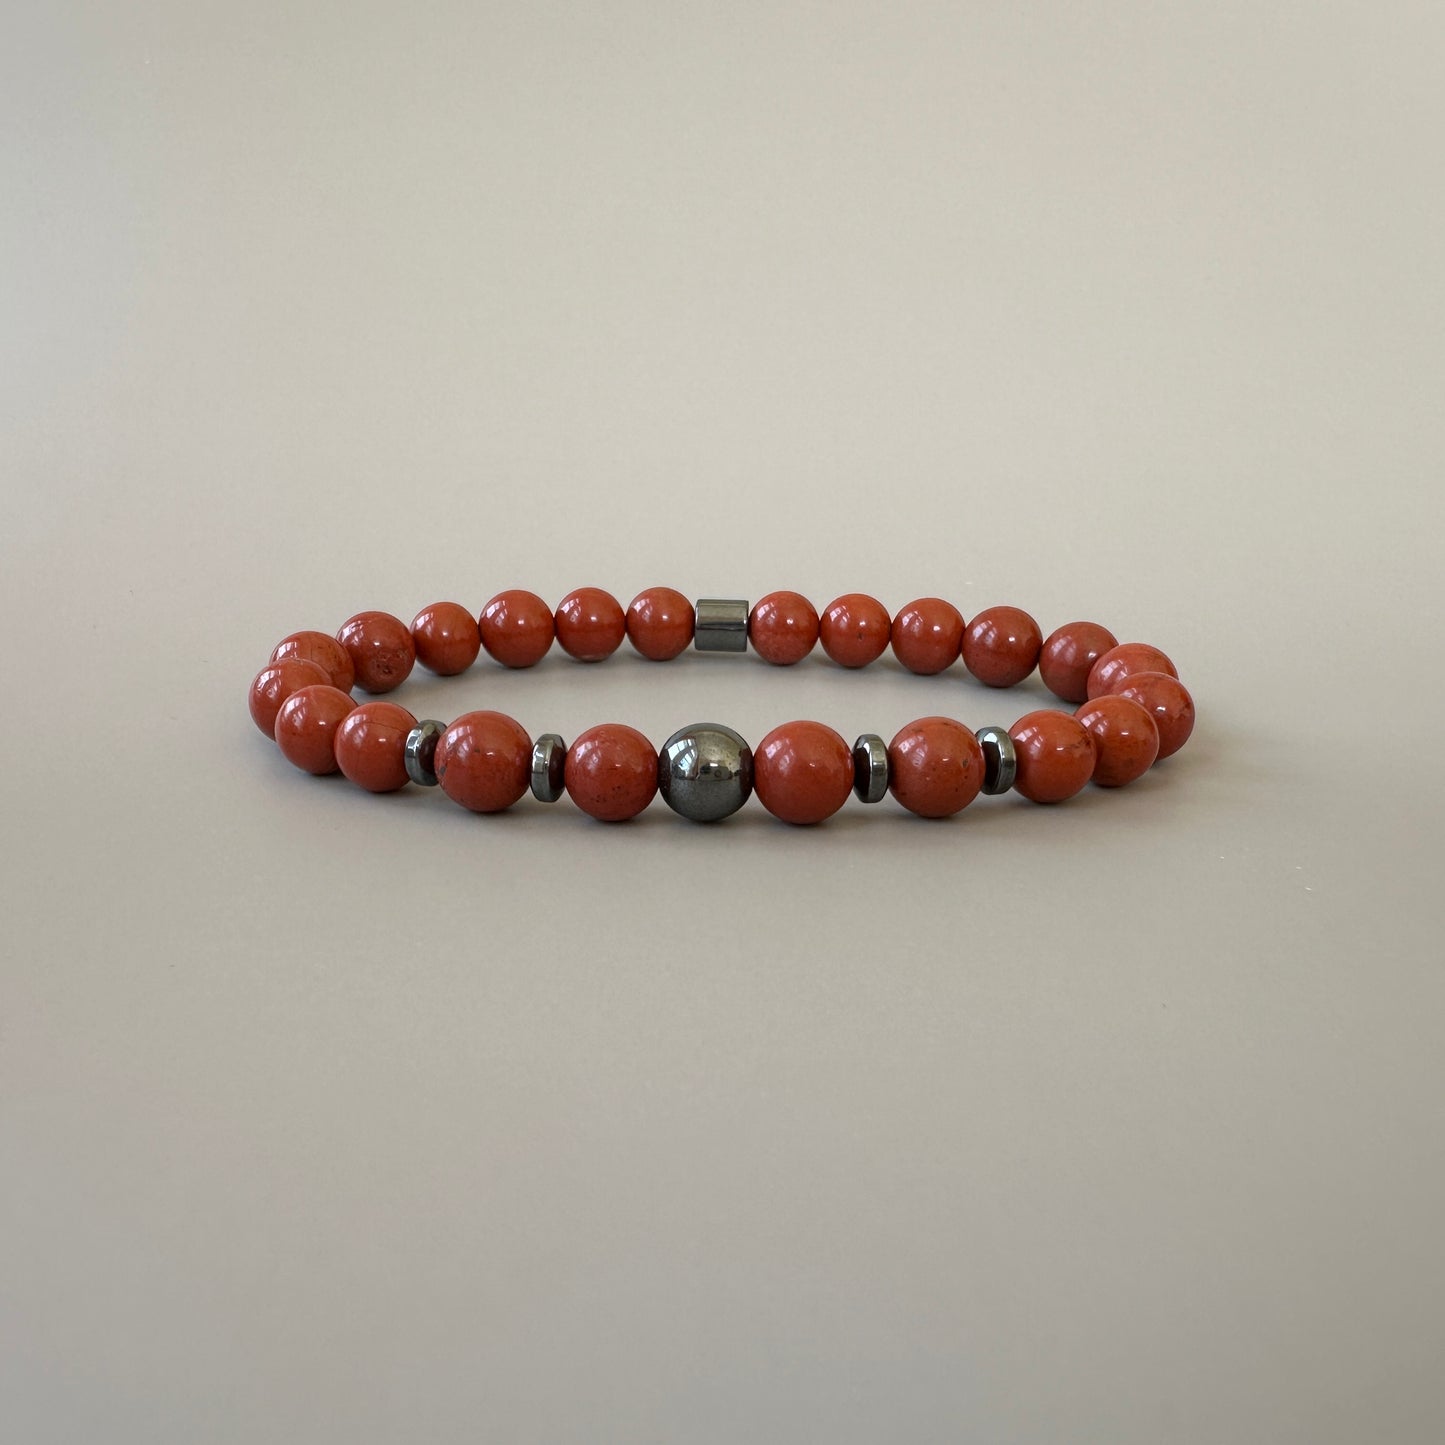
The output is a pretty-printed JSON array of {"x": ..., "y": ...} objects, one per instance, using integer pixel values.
[
  {"x": 421, "y": 751},
  {"x": 549, "y": 767},
  {"x": 870, "y": 768},
  {"x": 1000, "y": 762}
]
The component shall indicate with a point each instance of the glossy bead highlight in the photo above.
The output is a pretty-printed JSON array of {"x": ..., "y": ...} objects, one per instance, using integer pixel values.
[
  {"x": 1053, "y": 754},
  {"x": 370, "y": 746},
  {"x": 1126, "y": 660},
  {"x": 484, "y": 761},
  {"x": 590, "y": 624},
  {"x": 1168, "y": 702},
  {"x": 322, "y": 649},
  {"x": 1068, "y": 656},
  {"x": 381, "y": 650},
  {"x": 935, "y": 766},
  {"x": 306, "y": 727},
  {"x": 516, "y": 628},
  {"x": 660, "y": 623},
  {"x": 927, "y": 635},
  {"x": 1001, "y": 646},
  {"x": 275, "y": 683},
  {"x": 803, "y": 772},
  {"x": 1126, "y": 741},
  {"x": 783, "y": 628},
  {"x": 446, "y": 638},
  {"x": 611, "y": 772},
  {"x": 855, "y": 629}
]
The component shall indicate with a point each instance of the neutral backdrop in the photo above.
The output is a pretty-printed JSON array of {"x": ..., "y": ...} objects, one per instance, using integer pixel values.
[{"x": 326, "y": 1117}]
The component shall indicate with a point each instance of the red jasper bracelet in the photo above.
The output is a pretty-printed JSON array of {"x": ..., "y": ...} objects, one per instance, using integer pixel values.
[{"x": 1134, "y": 710}]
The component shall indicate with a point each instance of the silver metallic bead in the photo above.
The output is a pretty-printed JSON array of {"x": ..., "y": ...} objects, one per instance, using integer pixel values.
[
  {"x": 421, "y": 750},
  {"x": 870, "y": 768},
  {"x": 1000, "y": 762},
  {"x": 722, "y": 625},
  {"x": 549, "y": 764},
  {"x": 705, "y": 772}
]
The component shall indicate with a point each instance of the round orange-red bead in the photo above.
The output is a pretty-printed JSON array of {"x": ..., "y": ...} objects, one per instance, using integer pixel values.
[
  {"x": 854, "y": 629},
  {"x": 446, "y": 638},
  {"x": 783, "y": 628},
  {"x": 306, "y": 727},
  {"x": 1054, "y": 754},
  {"x": 517, "y": 628},
  {"x": 590, "y": 624},
  {"x": 660, "y": 623},
  {"x": 1068, "y": 655},
  {"x": 802, "y": 772},
  {"x": 1168, "y": 702},
  {"x": 370, "y": 746},
  {"x": 322, "y": 649},
  {"x": 1126, "y": 660},
  {"x": 1001, "y": 646},
  {"x": 611, "y": 772},
  {"x": 928, "y": 635},
  {"x": 275, "y": 683},
  {"x": 381, "y": 650},
  {"x": 1126, "y": 741},
  {"x": 935, "y": 767},
  {"x": 484, "y": 761}
]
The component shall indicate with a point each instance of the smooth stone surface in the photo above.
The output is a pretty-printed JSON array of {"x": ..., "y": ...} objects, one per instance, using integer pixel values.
[
  {"x": 322, "y": 649},
  {"x": 1054, "y": 755},
  {"x": 516, "y": 628},
  {"x": 660, "y": 623},
  {"x": 855, "y": 629},
  {"x": 370, "y": 746},
  {"x": 705, "y": 772},
  {"x": 306, "y": 726},
  {"x": 484, "y": 761},
  {"x": 1126, "y": 660},
  {"x": 803, "y": 772},
  {"x": 590, "y": 624},
  {"x": 927, "y": 635},
  {"x": 1001, "y": 646},
  {"x": 1126, "y": 741},
  {"x": 1168, "y": 702},
  {"x": 275, "y": 683},
  {"x": 446, "y": 638},
  {"x": 1069, "y": 654},
  {"x": 783, "y": 628},
  {"x": 381, "y": 650},
  {"x": 936, "y": 767},
  {"x": 611, "y": 772}
]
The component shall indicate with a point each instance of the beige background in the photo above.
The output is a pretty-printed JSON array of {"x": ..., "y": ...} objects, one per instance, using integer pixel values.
[{"x": 332, "y": 1118}]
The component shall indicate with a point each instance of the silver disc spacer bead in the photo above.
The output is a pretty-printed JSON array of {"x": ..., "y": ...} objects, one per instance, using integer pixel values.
[
  {"x": 722, "y": 625},
  {"x": 421, "y": 751},
  {"x": 705, "y": 772},
  {"x": 1000, "y": 762},
  {"x": 549, "y": 767},
  {"x": 870, "y": 768}
]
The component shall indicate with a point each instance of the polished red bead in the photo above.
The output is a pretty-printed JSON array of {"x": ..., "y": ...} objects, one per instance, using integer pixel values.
[
  {"x": 1054, "y": 753},
  {"x": 854, "y": 629},
  {"x": 611, "y": 772},
  {"x": 783, "y": 628},
  {"x": 590, "y": 624},
  {"x": 381, "y": 650},
  {"x": 1069, "y": 654},
  {"x": 1001, "y": 646},
  {"x": 1126, "y": 742},
  {"x": 516, "y": 628},
  {"x": 275, "y": 683},
  {"x": 802, "y": 772},
  {"x": 484, "y": 761},
  {"x": 322, "y": 649},
  {"x": 1124, "y": 661},
  {"x": 928, "y": 635},
  {"x": 446, "y": 638},
  {"x": 660, "y": 623},
  {"x": 1168, "y": 702},
  {"x": 370, "y": 746},
  {"x": 306, "y": 726},
  {"x": 935, "y": 767}
]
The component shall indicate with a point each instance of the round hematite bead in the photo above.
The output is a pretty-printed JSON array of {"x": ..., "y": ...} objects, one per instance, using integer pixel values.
[
  {"x": 1000, "y": 763},
  {"x": 421, "y": 750},
  {"x": 549, "y": 764},
  {"x": 870, "y": 768},
  {"x": 705, "y": 772}
]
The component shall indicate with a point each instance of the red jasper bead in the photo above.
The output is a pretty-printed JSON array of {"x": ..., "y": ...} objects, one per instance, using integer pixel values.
[
  {"x": 1124, "y": 661},
  {"x": 936, "y": 767},
  {"x": 802, "y": 772},
  {"x": 370, "y": 746},
  {"x": 611, "y": 772},
  {"x": 590, "y": 624},
  {"x": 1069, "y": 654},
  {"x": 783, "y": 628},
  {"x": 1126, "y": 742},
  {"x": 928, "y": 635},
  {"x": 446, "y": 638},
  {"x": 1168, "y": 702},
  {"x": 322, "y": 649},
  {"x": 1001, "y": 646},
  {"x": 275, "y": 683},
  {"x": 660, "y": 623},
  {"x": 484, "y": 761},
  {"x": 516, "y": 628},
  {"x": 306, "y": 727},
  {"x": 1055, "y": 755},
  {"x": 854, "y": 630},
  {"x": 381, "y": 650}
]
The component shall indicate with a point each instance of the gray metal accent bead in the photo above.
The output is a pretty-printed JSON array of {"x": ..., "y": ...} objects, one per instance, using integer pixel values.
[
  {"x": 722, "y": 625},
  {"x": 549, "y": 763},
  {"x": 1000, "y": 762},
  {"x": 705, "y": 772},
  {"x": 870, "y": 768},
  {"x": 421, "y": 751}
]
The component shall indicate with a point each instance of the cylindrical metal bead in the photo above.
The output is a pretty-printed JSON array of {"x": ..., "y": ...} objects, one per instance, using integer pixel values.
[
  {"x": 549, "y": 763},
  {"x": 722, "y": 625},
  {"x": 705, "y": 772},
  {"x": 1000, "y": 763},
  {"x": 421, "y": 750},
  {"x": 870, "y": 768}
]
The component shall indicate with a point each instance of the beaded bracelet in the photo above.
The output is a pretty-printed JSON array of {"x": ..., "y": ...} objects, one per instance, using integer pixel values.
[{"x": 1134, "y": 708}]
